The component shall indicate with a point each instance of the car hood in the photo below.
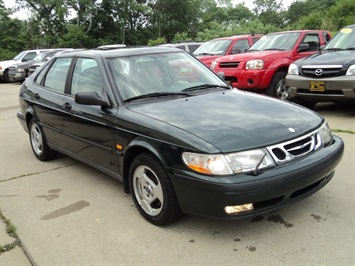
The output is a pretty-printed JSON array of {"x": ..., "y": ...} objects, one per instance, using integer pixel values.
[
  {"x": 24, "y": 64},
  {"x": 330, "y": 58},
  {"x": 7, "y": 63},
  {"x": 229, "y": 121},
  {"x": 207, "y": 59},
  {"x": 243, "y": 57}
]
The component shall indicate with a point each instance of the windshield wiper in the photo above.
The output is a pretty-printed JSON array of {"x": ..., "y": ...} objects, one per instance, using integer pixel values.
[
  {"x": 252, "y": 50},
  {"x": 156, "y": 95},
  {"x": 270, "y": 49},
  {"x": 350, "y": 48},
  {"x": 205, "y": 86},
  {"x": 205, "y": 54},
  {"x": 334, "y": 49}
]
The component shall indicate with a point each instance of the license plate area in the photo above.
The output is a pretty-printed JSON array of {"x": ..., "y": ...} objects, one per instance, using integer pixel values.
[{"x": 318, "y": 86}]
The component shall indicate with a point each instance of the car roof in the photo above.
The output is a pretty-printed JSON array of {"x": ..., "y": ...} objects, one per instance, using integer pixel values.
[
  {"x": 239, "y": 36},
  {"x": 122, "y": 52}
]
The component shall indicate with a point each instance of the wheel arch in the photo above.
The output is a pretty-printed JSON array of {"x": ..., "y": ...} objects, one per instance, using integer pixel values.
[
  {"x": 30, "y": 113},
  {"x": 134, "y": 148}
]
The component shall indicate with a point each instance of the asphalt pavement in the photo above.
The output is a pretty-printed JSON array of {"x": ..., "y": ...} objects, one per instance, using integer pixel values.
[{"x": 67, "y": 213}]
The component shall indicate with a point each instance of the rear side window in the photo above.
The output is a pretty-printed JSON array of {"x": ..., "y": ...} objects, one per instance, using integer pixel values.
[
  {"x": 57, "y": 74},
  {"x": 193, "y": 47}
]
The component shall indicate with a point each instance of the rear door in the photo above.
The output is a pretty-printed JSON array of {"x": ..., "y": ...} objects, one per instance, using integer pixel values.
[{"x": 48, "y": 98}]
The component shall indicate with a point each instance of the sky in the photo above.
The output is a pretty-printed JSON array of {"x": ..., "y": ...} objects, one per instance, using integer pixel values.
[{"x": 248, "y": 3}]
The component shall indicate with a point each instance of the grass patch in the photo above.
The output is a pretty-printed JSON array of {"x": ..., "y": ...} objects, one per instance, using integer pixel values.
[
  {"x": 11, "y": 230},
  {"x": 343, "y": 131}
]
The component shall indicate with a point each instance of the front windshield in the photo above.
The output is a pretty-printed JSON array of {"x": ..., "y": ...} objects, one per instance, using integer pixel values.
[
  {"x": 282, "y": 41},
  {"x": 214, "y": 47},
  {"x": 344, "y": 39},
  {"x": 171, "y": 72},
  {"x": 19, "y": 56},
  {"x": 40, "y": 57}
]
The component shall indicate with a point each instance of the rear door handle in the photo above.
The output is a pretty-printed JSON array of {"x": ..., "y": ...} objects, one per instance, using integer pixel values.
[
  {"x": 67, "y": 106},
  {"x": 36, "y": 96}
]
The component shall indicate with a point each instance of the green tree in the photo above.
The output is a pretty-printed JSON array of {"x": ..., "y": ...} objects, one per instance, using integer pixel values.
[{"x": 50, "y": 15}]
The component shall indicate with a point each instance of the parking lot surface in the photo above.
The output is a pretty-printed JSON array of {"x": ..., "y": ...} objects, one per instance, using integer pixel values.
[{"x": 68, "y": 213}]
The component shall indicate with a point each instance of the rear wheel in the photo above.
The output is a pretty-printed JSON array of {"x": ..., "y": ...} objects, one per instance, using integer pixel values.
[
  {"x": 152, "y": 191},
  {"x": 39, "y": 143},
  {"x": 278, "y": 88}
]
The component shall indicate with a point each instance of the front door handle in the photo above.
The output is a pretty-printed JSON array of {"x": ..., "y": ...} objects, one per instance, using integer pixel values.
[
  {"x": 67, "y": 106},
  {"x": 36, "y": 96}
]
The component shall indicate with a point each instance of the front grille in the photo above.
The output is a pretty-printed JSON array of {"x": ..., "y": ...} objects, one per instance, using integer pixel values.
[
  {"x": 229, "y": 64},
  {"x": 286, "y": 151},
  {"x": 12, "y": 68},
  {"x": 321, "y": 71}
]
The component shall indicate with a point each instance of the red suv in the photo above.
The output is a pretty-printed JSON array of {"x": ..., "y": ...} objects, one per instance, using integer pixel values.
[
  {"x": 215, "y": 48},
  {"x": 264, "y": 67}
]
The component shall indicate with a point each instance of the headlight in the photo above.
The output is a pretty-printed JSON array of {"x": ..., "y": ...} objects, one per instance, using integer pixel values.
[
  {"x": 219, "y": 164},
  {"x": 21, "y": 70},
  {"x": 213, "y": 65},
  {"x": 351, "y": 71},
  {"x": 293, "y": 69},
  {"x": 255, "y": 64},
  {"x": 325, "y": 134}
]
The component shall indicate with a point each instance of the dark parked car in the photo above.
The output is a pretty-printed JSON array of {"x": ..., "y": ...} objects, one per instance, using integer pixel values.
[
  {"x": 328, "y": 76},
  {"x": 175, "y": 134}
]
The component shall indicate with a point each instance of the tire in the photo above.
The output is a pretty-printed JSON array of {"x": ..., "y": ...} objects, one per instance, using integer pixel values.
[
  {"x": 152, "y": 191},
  {"x": 39, "y": 143},
  {"x": 7, "y": 77},
  {"x": 278, "y": 88}
]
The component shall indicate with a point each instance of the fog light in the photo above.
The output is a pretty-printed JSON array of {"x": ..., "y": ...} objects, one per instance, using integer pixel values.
[{"x": 239, "y": 208}]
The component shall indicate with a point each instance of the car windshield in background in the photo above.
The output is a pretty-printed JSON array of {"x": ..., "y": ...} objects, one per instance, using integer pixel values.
[
  {"x": 214, "y": 47},
  {"x": 17, "y": 57},
  {"x": 284, "y": 41},
  {"x": 160, "y": 74},
  {"x": 343, "y": 40}
]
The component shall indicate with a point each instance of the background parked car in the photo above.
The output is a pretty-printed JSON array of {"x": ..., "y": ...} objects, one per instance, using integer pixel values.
[
  {"x": 328, "y": 76},
  {"x": 20, "y": 71},
  {"x": 264, "y": 67},
  {"x": 211, "y": 50},
  {"x": 24, "y": 56},
  {"x": 175, "y": 134},
  {"x": 186, "y": 46}
]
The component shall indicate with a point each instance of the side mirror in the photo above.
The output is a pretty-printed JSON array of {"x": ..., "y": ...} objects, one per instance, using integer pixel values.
[
  {"x": 90, "y": 98},
  {"x": 221, "y": 75},
  {"x": 303, "y": 47}
]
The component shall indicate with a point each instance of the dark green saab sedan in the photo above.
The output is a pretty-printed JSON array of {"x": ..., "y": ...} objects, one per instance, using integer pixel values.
[{"x": 175, "y": 134}]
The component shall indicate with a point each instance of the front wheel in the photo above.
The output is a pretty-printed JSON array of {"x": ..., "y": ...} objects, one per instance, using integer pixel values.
[
  {"x": 278, "y": 88},
  {"x": 152, "y": 191},
  {"x": 39, "y": 143}
]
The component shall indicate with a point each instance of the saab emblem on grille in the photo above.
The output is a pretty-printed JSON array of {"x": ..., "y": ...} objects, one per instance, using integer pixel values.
[{"x": 318, "y": 72}]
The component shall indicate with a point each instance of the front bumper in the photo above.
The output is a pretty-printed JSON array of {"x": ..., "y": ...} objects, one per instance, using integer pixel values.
[
  {"x": 338, "y": 89},
  {"x": 247, "y": 79},
  {"x": 17, "y": 76},
  {"x": 275, "y": 188}
]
